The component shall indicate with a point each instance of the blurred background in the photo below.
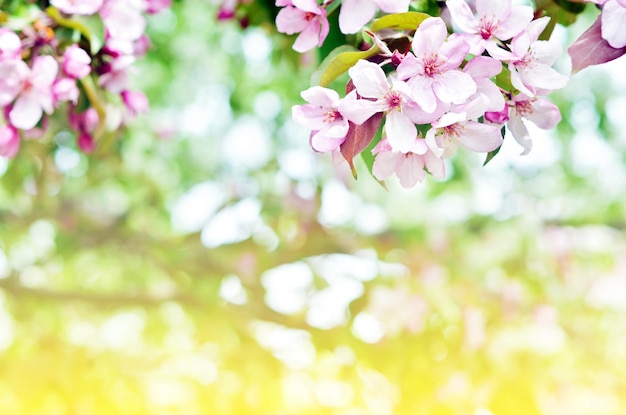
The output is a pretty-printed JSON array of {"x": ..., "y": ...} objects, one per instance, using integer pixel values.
[{"x": 209, "y": 262}]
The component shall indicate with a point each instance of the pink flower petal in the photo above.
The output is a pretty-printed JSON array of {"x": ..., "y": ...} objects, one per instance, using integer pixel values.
[
  {"x": 354, "y": 14},
  {"x": 463, "y": 16},
  {"x": 290, "y": 20},
  {"x": 369, "y": 79},
  {"x": 410, "y": 170},
  {"x": 308, "y": 38},
  {"x": 400, "y": 131},
  {"x": 454, "y": 86},
  {"x": 479, "y": 137},
  {"x": 26, "y": 111},
  {"x": 613, "y": 19}
]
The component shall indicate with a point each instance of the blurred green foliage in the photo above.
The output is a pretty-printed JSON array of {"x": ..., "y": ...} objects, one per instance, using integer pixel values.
[{"x": 209, "y": 262}]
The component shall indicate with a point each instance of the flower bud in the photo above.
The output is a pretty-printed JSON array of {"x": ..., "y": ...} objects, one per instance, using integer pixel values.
[
  {"x": 76, "y": 62},
  {"x": 498, "y": 117},
  {"x": 9, "y": 141}
]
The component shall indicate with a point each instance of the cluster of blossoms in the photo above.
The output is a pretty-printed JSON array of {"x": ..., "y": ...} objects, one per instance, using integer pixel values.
[
  {"x": 449, "y": 90},
  {"x": 309, "y": 19},
  {"x": 50, "y": 60}
]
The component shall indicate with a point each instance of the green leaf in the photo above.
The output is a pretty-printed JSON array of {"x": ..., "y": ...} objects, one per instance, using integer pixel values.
[
  {"x": 503, "y": 80},
  {"x": 91, "y": 27},
  {"x": 493, "y": 153},
  {"x": 399, "y": 21},
  {"x": 338, "y": 63}
]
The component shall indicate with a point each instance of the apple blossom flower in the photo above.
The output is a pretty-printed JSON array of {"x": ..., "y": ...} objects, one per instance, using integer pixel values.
[
  {"x": 76, "y": 62},
  {"x": 9, "y": 141},
  {"x": 432, "y": 71},
  {"x": 35, "y": 94},
  {"x": 115, "y": 77},
  {"x": 540, "y": 111},
  {"x": 328, "y": 126},
  {"x": 495, "y": 20},
  {"x": 123, "y": 19},
  {"x": 409, "y": 167},
  {"x": 65, "y": 90},
  {"x": 530, "y": 60},
  {"x": 136, "y": 102},
  {"x": 354, "y": 14},
  {"x": 84, "y": 7},
  {"x": 459, "y": 128},
  {"x": 305, "y": 17},
  {"x": 394, "y": 100}
]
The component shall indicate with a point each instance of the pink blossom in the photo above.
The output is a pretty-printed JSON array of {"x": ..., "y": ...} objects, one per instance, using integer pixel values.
[
  {"x": 540, "y": 111},
  {"x": 65, "y": 89},
  {"x": 85, "y": 142},
  {"x": 530, "y": 60},
  {"x": 136, "y": 102},
  {"x": 495, "y": 20},
  {"x": 10, "y": 45},
  {"x": 459, "y": 128},
  {"x": 115, "y": 79},
  {"x": 84, "y": 7},
  {"x": 410, "y": 167},
  {"x": 35, "y": 95},
  {"x": 394, "y": 100},
  {"x": 432, "y": 72},
  {"x": 76, "y": 62},
  {"x": 123, "y": 19},
  {"x": 9, "y": 141},
  {"x": 305, "y": 17},
  {"x": 322, "y": 116},
  {"x": 354, "y": 14}
]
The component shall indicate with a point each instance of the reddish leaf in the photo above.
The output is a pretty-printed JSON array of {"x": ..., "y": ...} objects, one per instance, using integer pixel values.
[
  {"x": 590, "y": 49},
  {"x": 358, "y": 138}
]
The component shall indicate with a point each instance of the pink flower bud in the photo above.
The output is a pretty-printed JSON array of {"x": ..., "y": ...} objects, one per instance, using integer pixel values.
[
  {"x": 85, "y": 143},
  {"x": 90, "y": 120},
  {"x": 141, "y": 45},
  {"x": 76, "y": 62},
  {"x": 65, "y": 89},
  {"x": 136, "y": 102},
  {"x": 499, "y": 117},
  {"x": 155, "y": 6},
  {"x": 9, "y": 141}
]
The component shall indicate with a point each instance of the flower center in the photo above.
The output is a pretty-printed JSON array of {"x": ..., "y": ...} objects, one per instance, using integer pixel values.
[
  {"x": 27, "y": 85},
  {"x": 393, "y": 101},
  {"x": 331, "y": 116},
  {"x": 308, "y": 16},
  {"x": 523, "y": 108},
  {"x": 432, "y": 65},
  {"x": 488, "y": 27},
  {"x": 452, "y": 132}
]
